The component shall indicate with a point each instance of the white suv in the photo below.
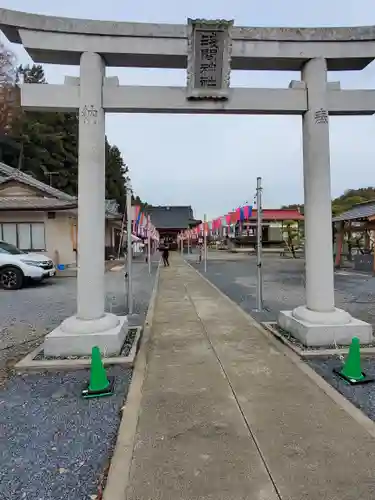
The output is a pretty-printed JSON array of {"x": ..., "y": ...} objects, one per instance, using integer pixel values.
[{"x": 17, "y": 266}]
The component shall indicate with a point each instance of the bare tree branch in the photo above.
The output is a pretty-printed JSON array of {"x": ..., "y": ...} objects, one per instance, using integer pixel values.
[
  {"x": 9, "y": 92},
  {"x": 7, "y": 66}
]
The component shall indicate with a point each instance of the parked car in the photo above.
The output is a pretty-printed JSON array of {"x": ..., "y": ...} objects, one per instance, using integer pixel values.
[{"x": 16, "y": 267}]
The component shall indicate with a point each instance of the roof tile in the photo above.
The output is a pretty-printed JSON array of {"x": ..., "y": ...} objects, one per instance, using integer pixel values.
[
  {"x": 360, "y": 211},
  {"x": 34, "y": 203},
  {"x": 170, "y": 217}
]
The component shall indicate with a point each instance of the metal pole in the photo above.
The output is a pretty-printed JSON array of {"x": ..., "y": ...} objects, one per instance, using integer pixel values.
[
  {"x": 259, "y": 297},
  {"x": 129, "y": 244},
  {"x": 205, "y": 243},
  {"x": 149, "y": 249},
  {"x": 121, "y": 235},
  {"x": 181, "y": 244}
]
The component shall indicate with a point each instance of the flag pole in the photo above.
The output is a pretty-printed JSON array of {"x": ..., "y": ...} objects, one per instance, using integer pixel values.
[
  {"x": 129, "y": 244},
  {"x": 149, "y": 245},
  {"x": 259, "y": 296},
  {"x": 205, "y": 243}
]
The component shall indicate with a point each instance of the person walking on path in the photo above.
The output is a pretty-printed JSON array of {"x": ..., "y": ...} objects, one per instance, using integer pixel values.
[
  {"x": 165, "y": 255},
  {"x": 200, "y": 251}
]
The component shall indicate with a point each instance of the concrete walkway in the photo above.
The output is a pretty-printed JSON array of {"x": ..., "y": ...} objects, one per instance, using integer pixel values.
[{"x": 226, "y": 416}]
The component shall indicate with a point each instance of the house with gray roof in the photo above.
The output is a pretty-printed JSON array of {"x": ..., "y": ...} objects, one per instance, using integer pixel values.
[
  {"x": 37, "y": 217},
  {"x": 171, "y": 220}
]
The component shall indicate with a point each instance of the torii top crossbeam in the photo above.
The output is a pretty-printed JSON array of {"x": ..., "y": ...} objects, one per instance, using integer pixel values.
[{"x": 60, "y": 40}]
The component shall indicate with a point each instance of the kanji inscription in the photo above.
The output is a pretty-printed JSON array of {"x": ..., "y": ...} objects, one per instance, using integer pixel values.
[
  {"x": 209, "y": 59},
  {"x": 321, "y": 116},
  {"x": 209, "y": 53},
  {"x": 89, "y": 114}
]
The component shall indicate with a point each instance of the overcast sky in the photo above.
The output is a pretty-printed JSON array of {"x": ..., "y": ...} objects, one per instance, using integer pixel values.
[{"x": 229, "y": 151}]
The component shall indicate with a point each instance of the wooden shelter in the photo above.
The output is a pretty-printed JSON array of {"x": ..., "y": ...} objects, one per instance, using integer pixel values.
[{"x": 358, "y": 220}]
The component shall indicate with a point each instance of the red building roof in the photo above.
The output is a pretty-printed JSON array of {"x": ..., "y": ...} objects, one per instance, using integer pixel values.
[{"x": 279, "y": 214}]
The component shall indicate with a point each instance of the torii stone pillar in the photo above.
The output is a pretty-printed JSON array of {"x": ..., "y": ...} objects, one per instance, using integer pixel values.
[
  {"x": 319, "y": 322},
  {"x": 91, "y": 326}
]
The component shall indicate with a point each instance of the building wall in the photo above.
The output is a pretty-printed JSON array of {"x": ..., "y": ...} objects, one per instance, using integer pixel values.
[
  {"x": 58, "y": 233},
  {"x": 14, "y": 189},
  {"x": 274, "y": 232},
  {"x": 19, "y": 216},
  {"x": 60, "y": 238}
]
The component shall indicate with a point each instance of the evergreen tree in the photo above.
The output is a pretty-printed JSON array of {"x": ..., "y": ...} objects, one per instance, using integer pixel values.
[
  {"x": 49, "y": 143},
  {"x": 115, "y": 175},
  {"x": 31, "y": 74},
  {"x": 346, "y": 201}
]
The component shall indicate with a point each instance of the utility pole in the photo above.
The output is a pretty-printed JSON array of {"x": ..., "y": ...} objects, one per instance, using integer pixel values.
[
  {"x": 129, "y": 245},
  {"x": 259, "y": 297}
]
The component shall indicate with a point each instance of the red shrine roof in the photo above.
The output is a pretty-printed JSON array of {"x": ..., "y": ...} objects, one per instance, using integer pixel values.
[{"x": 278, "y": 214}]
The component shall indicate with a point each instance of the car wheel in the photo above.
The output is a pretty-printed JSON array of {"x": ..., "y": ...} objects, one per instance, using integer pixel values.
[{"x": 11, "y": 278}]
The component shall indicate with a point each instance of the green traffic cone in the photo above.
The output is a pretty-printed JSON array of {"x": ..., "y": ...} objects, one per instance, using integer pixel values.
[
  {"x": 99, "y": 385},
  {"x": 352, "y": 371},
  {"x": 352, "y": 367}
]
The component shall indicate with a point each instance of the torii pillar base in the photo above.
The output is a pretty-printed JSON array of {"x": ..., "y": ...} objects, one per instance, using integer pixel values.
[
  {"x": 318, "y": 329},
  {"x": 76, "y": 337}
]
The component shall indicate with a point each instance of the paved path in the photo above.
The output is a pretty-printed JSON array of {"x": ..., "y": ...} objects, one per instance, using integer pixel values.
[{"x": 226, "y": 416}]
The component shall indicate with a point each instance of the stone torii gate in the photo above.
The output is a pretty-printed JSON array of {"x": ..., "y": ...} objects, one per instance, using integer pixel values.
[{"x": 208, "y": 50}]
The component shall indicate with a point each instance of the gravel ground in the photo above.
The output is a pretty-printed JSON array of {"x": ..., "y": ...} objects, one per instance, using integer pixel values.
[
  {"x": 57, "y": 444},
  {"x": 27, "y": 315},
  {"x": 284, "y": 284},
  {"x": 362, "y": 396}
]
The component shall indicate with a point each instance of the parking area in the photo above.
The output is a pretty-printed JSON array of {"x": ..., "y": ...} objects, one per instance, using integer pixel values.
[
  {"x": 284, "y": 282},
  {"x": 27, "y": 315}
]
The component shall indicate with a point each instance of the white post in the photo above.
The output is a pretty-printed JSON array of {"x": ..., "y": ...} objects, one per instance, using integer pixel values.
[
  {"x": 320, "y": 293},
  {"x": 319, "y": 322},
  {"x": 91, "y": 189},
  {"x": 91, "y": 326},
  {"x": 130, "y": 247},
  {"x": 205, "y": 243},
  {"x": 317, "y": 188}
]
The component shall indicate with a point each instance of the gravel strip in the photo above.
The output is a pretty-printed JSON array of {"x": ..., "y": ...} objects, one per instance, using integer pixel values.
[
  {"x": 302, "y": 346},
  {"x": 57, "y": 444},
  {"x": 125, "y": 350},
  {"x": 362, "y": 396}
]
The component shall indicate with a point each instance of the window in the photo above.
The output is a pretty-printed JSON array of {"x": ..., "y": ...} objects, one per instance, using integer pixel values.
[
  {"x": 24, "y": 235},
  {"x": 10, "y": 233}
]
